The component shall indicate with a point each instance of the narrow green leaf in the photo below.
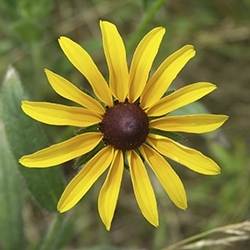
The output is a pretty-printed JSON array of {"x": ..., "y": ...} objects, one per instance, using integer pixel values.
[
  {"x": 11, "y": 199},
  {"x": 146, "y": 3},
  {"x": 26, "y": 136},
  {"x": 144, "y": 24},
  {"x": 59, "y": 233}
]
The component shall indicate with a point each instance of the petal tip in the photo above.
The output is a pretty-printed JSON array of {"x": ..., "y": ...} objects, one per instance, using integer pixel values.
[
  {"x": 47, "y": 71},
  {"x": 63, "y": 39},
  {"x": 49, "y": 74},
  {"x": 23, "y": 102},
  {"x": 24, "y": 106},
  {"x": 105, "y": 22},
  {"x": 184, "y": 206},
  {"x": 218, "y": 171},
  {"x": 21, "y": 161},
  {"x": 190, "y": 46},
  {"x": 225, "y": 118},
  {"x": 101, "y": 22},
  {"x": 212, "y": 85},
  {"x": 154, "y": 220},
  {"x": 108, "y": 227},
  {"x": 156, "y": 223},
  {"x": 193, "y": 52},
  {"x": 61, "y": 209},
  {"x": 215, "y": 171},
  {"x": 162, "y": 29},
  {"x": 24, "y": 163}
]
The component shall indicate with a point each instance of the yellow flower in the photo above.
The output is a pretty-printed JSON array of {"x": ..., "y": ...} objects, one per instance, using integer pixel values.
[{"x": 131, "y": 106}]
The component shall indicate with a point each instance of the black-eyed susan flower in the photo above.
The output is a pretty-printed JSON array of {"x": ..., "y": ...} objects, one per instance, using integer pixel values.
[{"x": 126, "y": 112}]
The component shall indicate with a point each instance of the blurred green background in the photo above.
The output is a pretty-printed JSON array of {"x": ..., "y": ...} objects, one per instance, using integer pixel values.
[{"x": 220, "y": 31}]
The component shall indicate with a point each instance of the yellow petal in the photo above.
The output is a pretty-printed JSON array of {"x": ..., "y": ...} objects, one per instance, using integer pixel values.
[
  {"x": 186, "y": 156},
  {"x": 143, "y": 189},
  {"x": 83, "y": 181},
  {"x": 142, "y": 61},
  {"x": 62, "y": 152},
  {"x": 115, "y": 53},
  {"x": 110, "y": 190},
  {"x": 84, "y": 63},
  {"x": 201, "y": 123},
  {"x": 180, "y": 98},
  {"x": 57, "y": 114},
  {"x": 165, "y": 74},
  {"x": 169, "y": 180},
  {"x": 68, "y": 90}
]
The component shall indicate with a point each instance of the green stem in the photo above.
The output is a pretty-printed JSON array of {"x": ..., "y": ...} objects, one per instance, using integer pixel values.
[
  {"x": 196, "y": 237},
  {"x": 147, "y": 18},
  {"x": 57, "y": 234},
  {"x": 189, "y": 240}
]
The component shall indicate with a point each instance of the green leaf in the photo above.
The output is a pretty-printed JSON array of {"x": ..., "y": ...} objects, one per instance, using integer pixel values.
[
  {"x": 11, "y": 199},
  {"x": 26, "y": 136}
]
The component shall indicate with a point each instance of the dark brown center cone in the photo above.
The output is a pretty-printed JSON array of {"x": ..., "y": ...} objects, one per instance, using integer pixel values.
[{"x": 125, "y": 126}]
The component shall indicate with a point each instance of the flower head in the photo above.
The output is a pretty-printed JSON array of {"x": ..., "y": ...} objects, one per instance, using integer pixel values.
[{"x": 129, "y": 109}]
